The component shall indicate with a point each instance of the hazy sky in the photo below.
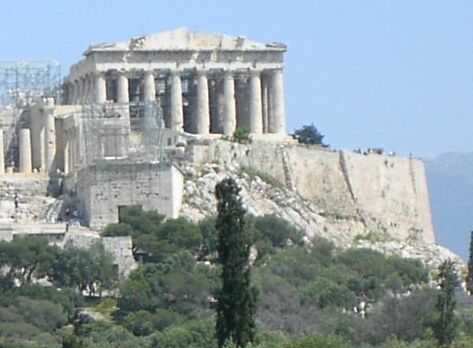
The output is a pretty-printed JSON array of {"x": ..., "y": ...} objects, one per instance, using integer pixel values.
[{"x": 396, "y": 74}]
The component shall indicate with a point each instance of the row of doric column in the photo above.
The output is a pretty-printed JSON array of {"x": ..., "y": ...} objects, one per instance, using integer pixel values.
[
  {"x": 24, "y": 147},
  {"x": 47, "y": 150},
  {"x": 266, "y": 110}
]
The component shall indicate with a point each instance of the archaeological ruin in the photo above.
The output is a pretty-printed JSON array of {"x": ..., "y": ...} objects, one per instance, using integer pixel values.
[{"x": 134, "y": 122}]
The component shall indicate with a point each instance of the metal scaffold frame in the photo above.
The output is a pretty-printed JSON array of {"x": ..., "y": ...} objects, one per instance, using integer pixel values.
[
  {"x": 22, "y": 82},
  {"x": 103, "y": 127}
]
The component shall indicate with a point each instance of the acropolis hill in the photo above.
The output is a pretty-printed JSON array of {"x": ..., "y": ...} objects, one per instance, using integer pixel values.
[{"x": 149, "y": 122}]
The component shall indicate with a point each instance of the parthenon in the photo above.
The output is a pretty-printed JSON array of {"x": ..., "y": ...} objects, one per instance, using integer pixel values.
[
  {"x": 111, "y": 134},
  {"x": 204, "y": 83}
]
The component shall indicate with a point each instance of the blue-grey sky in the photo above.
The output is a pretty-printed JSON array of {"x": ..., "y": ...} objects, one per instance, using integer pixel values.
[{"x": 391, "y": 73}]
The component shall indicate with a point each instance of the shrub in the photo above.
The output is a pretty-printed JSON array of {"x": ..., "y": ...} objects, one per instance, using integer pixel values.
[
  {"x": 278, "y": 231},
  {"x": 209, "y": 237},
  {"x": 194, "y": 334},
  {"x": 241, "y": 135},
  {"x": 324, "y": 292}
]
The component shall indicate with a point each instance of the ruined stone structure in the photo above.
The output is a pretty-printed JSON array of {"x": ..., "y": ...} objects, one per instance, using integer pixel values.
[
  {"x": 126, "y": 104},
  {"x": 205, "y": 83},
  {"x": 133, "y": 114}
]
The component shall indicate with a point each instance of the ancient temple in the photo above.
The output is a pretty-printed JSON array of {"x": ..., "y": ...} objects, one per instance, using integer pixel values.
[
  {"x": 204, "y": 83},
  {"x": 127, "y": 109}
]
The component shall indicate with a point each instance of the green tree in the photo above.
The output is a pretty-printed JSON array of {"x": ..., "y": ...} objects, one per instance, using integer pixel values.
[
  {"x": 26, "y": 258},
  {"x": 469, "y": 279},
  {"x": 446, "y": 324},
  {"x": 277, "y": 231},
  {"x": 236, "y": 300},
  {"x": 153, "y": 238},
  {"x": 90, "y": 270},
  {"x": 309, "y": 135}
]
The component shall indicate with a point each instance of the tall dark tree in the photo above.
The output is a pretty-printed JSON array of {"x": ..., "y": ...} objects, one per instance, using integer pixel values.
[
  {"x": 236, "y": 304},
  {"x": 446, "y": 324},
  {"x": 469, "y": 277}
]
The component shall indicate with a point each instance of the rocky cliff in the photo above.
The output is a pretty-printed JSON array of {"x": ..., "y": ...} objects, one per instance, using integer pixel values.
[{"x": 352, "y": 199}]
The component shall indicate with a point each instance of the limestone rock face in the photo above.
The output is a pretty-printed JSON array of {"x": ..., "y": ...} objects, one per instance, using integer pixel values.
[
  {"x": 384, "y": 194},
  {"x": 262, "y": 194}
]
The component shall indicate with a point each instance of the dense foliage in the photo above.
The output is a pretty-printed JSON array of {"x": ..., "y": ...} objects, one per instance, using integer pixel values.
[
  {"x": 241, "y": 135},
  {"x": 309, "y": 135},
  {"x": 312, "y": 295}
]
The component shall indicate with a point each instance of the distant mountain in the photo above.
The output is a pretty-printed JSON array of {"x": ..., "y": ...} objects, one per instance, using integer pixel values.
[{"x": 450, "y": 180}]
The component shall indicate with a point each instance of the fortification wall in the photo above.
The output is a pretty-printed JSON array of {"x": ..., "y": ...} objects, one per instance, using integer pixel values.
[{"x": 387, "y": 194}]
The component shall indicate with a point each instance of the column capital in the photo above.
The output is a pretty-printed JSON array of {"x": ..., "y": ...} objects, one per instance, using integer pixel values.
[
  {"x": 255, "y": 72},
  {"x": 201, "y": 72},
  {"x": 227, "y": 73},
  {"x": 149, "y": 72},
  {"x": 276, "y": 70},
  {"x": 121, "y": 73},
  {"x": 175, "y": 72},
  {"x": 96, "y": 74}
]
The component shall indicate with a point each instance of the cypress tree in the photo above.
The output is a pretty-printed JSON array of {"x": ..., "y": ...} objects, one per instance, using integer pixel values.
[
  {"x": 469, "y": 277},
  {"x": 445, "y": 326},
  {"x": 236, "y": 300}
]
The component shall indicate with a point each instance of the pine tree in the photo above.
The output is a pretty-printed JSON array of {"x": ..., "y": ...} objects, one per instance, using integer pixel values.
[
  {"x": 446, "y": 324},
  {"x": 469, "y": 277},
  {"x": 236, "y": 300}
]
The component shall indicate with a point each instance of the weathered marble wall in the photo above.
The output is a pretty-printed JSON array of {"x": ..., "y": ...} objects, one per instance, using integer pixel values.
[
  {"x": 105, "y": 187},
  {"x": 388, "y": 194}
]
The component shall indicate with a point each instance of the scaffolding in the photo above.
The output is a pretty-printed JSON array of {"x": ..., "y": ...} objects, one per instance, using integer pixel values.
[
  {"x": 105, "y": 132},
  {"x": 23, "y": 82}
]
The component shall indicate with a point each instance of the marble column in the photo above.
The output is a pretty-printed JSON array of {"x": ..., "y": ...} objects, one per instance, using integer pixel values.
[
  {"x": 176, "y": 112},
  {"x": 277, "y": 122},
  {"x": 2, "y": 154},
  {"x": 149, "y": 87},
  {"x": 255, "y": 103},
  {"x": 66, "y": 155},
  {"x": 265, "y": 102},
  {"x": 50, "y": 140},
  {"x": 122, "y": 89},
  {"x": 242, "y": 102},
  {"x": 75, "y": 97},
  {"x": 85, "y": 89},
  {"x": 72, "y": 151},
  {"x": 88, "y": 89},
  {"x": 25, "y": 151},
  {"x": 229, "y": 106},
  {"x": 100, "y": 89},
  {"x": 71, "y": 93},
  {"x": 202, "y": 109},
  {"x": 80, "y": 96}
]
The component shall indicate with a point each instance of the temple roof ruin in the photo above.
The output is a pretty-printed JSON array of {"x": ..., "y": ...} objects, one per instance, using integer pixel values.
[{"x": 183, "y": 39}]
